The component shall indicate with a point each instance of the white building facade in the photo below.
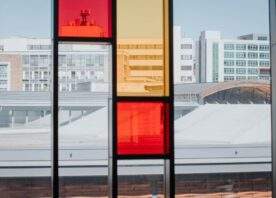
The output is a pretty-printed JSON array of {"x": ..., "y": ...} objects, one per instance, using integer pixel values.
[
  {"x": 184, "y": 58},
  {"x": 244, "y": 58},
  {"x": 77, "y": 63}
]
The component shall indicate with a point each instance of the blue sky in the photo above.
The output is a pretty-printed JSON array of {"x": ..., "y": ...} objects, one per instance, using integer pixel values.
[
  {"x": 231, "y": 17},
  {"x": 32, "y": 18}
]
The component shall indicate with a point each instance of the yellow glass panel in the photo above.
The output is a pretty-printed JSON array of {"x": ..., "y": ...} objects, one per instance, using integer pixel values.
[{"x": 142, "y": 50}]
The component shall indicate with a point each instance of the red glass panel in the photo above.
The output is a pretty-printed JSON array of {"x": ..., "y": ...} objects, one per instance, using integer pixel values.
[
  {"x": 85, "y": 18},
  {"x": 142, "y": 128}
]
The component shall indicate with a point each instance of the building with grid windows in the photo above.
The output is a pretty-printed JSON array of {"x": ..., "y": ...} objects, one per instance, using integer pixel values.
[
  {"x": 25, "y": 65},
  {"x": 184, "y": 58},
  {"x": 244, "y": 58}
]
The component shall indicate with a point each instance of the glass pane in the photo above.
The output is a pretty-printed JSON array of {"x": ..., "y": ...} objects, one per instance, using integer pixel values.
[
  {"x": 25, "y": 128},
  {"x": 84, "y": 84},
  {"x": 143, "y": 128},
  {"x": 140, "y": 178},
  {"x": 222, "y": 98},
  {"x": 142, "y": 62},
  {"x": 85, "y": 18}
]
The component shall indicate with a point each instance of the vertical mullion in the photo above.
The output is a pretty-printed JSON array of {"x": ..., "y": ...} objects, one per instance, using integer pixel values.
[
  {"x": 54, "y": 97},
  {"x": 114, "y": 161},
  {"x": 272, "y": 24},
  {"x": 171, "y": 91}
]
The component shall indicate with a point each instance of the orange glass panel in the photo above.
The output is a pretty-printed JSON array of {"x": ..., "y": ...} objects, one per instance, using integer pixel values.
[
  {"x": 85, "y": 18},
  {"x": 142, "y": 128},
  {"x": 142, "y": 50}
]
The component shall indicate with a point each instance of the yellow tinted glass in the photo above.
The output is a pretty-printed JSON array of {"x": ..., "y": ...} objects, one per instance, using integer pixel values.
[{"x": 142, "y": 55}]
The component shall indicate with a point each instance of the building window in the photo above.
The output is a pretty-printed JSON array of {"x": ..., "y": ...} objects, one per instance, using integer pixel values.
[
  {"x": 186, "y": 67},
  {"x": 264, "y": 56},
  {"x": 3, "y": 77},
  {"x": 252, "y": 63},
  {"x": 229, "y": 55},
  {"x": 241, "y": 47},
  {"x": 26, "y": 59},
  {"x": 240, "y": 77},
  {"x": 252, "y": 47},
  {"x": 186, "y": 57},
  {"x": 229, "y": 46},
  {"x": 186, "y": 46},
  {"x": 240, "y": 63},
  {"x": 264, "y": 48},
  {"x": 34, "y": 60},
  {"x": 229, "y": 78},
  {"x": 39, "y": 47},
  {"x": 229, "y": 63},
  {"x": 262, "y": 38},
  {"x": 240, "y": 71},
  {"x": 229, "y": 70},
  {"x": 264, "y": 64},
  {"x": 240, "y": 55},
  {"x": 186, "y": 78},
  {"x": 252, "y": 71},
  {"x": 252, "y": 77},
  {"x": 252, "y": 55}
]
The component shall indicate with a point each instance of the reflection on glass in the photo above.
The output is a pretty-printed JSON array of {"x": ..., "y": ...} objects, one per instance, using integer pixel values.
[
  {"x": 84, "y": 84},
  {"x": 140, "y": 178},
  {"x": 142, "y": 35},
  {"x": 85, "y": 18},
  {"x": 142, "y": 128}
]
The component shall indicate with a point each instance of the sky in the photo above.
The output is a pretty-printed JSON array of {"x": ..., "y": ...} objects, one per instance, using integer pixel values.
[
  {"x": 232, "y": 17},
  {"x": 32, "y": 18}
]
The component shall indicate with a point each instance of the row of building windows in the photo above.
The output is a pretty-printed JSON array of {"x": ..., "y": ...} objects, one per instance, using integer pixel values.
[
  {"x": 250, "y": 63},
  {"x": 140, "y": 46},
  {"x": 39, "y": 47},
  {"x": 249, "y": 55},
  {"x": 70, "y": 60},
  {"x": 251, "y": 71},
  {"x": 231, "y": 78},
  {"x": 146, "y": 57},
  {"x": 251, "y": 47}
]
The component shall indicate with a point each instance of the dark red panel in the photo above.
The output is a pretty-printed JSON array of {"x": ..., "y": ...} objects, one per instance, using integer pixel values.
[
  {"x": 142, "y": 128},
  {"x": 85, "y": 18}
]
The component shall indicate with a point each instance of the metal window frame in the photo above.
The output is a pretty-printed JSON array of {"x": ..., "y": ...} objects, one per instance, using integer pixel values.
[
  {"x": 169, "y": 164},
  {"x": 56, "y": 40},
  {"x": 272, "y": 30},
  {"x": 169, "y": 173},
  {"x": 112, "y": 138}
]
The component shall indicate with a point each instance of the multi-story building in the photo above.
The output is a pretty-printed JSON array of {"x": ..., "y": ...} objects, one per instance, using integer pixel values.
[
  {"x": 25, "y": 64},
  {"x": 184, "y": 58},
  {"x": 244, "y": 58},
  {"x": 141, "y": 65}
]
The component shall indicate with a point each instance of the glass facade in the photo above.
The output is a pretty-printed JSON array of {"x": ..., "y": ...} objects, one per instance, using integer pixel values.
[{"x": 165, "y": 109}]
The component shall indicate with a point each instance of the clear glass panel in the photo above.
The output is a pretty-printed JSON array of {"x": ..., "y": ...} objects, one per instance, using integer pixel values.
[
  {"x": 142, "y": 62},
  {"x": 143, "y": 128},
  {"x": 25, "y": 98},
  {"x": 85, "y": 18},
  {"x": 140, "y": 178},
  {"x": 222, "y": 98},
  {"x": 84, "y": 84}
]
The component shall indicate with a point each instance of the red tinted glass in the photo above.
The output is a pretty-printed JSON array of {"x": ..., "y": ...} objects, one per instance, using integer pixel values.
[
  {"x": 142, "y": 128},
  {"x": 85, "y": 18}
]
